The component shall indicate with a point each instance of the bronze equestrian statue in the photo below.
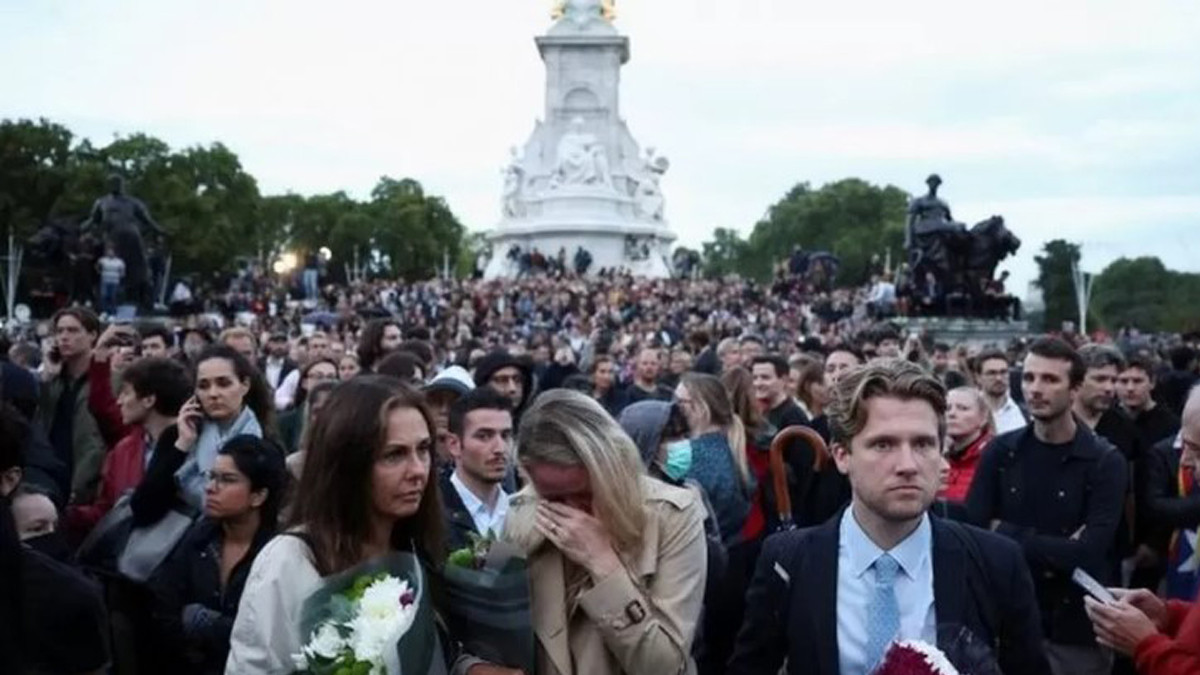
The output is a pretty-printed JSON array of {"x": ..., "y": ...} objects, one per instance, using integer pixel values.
[{"x": 962, "y": 260}]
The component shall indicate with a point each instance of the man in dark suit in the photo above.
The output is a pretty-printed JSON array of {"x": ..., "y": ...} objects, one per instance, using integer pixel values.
[
  {"x": 277, "y": 366},
  {"x": 480, "y": 443},
  {"x": 830, "y": 599}
]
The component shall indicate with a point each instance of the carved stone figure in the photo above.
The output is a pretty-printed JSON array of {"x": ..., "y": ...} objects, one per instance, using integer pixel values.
[
  {"x": 581, "y": 159},
  {"x": 647, "y": 195},
  {"x": 120, "y": 219},
  {"x": 512, "y": 201}
]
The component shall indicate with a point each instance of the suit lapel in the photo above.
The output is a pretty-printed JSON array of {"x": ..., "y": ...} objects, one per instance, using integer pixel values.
[
  {"x": 950, "y": 570},
  {"x": 824, "y": 585},
  {"x": 548, "y": 608}
]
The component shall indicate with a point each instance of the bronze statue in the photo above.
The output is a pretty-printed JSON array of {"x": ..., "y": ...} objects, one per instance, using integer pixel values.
[
  {"x": 962, "y": 261},
  {"x": 121, "y": 219}
]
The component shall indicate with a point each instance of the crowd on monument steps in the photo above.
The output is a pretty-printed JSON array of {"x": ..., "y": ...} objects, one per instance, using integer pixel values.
[{"x": 174, "y": 488}]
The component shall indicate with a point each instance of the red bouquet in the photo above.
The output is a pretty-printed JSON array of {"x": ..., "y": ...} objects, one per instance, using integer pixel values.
[{"x": 913, "y": 657}]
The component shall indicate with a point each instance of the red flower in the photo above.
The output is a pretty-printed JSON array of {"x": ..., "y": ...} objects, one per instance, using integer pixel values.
[
  {"x": 904, "y": 660},
  {"x": 407, "y": 598}
]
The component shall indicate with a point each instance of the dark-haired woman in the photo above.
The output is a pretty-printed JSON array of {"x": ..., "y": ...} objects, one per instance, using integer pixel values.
[
  {"x": 366, "y": 493},
  {"x": 291, "y": 423},
  {"x": 198, "y": 590},
  {"x": 231, "y": 399}
]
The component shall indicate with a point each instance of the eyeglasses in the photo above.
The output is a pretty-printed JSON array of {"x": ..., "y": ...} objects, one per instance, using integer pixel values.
[{"x": 222, "y": 479}]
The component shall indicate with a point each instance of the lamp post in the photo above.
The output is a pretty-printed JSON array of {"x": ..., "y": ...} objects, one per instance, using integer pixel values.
[{"x": 1083, "y": 293}]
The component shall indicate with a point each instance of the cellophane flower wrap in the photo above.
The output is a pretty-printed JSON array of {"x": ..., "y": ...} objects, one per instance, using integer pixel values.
[
  {"x": 375, "y": 619},
  {"x": 487, "y": 608}
]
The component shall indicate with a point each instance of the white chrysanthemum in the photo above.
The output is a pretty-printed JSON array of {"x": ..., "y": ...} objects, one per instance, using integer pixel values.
[
  {"x": 326, "y": 643},
  {"x": 933, "y": 656},
  {"x": 381, "y": 620}
]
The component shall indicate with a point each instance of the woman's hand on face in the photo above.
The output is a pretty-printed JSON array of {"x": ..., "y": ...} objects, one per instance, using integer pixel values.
[
  {"x": 191, "y": 415},
  {"x": 582, "y": 538}
]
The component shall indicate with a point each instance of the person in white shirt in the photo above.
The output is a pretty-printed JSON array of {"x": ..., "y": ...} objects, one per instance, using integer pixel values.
[
  {"x": 112, "y": 271},
  {"x": 480, "y": 443},
  {"x": 991, "y": 375}
]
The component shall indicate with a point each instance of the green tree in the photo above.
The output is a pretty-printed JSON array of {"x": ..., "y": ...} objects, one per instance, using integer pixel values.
[
  {"x": 1056, "y": 282},
  {"x": 850, "y": 218},
  {"x": 1142, "y": 292},
  {"x": 724, "y": 255},
  {"x": 35, "y": 159}
]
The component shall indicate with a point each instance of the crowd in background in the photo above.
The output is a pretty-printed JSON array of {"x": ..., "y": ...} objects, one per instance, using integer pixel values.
[{"x": 617, "y": 428}]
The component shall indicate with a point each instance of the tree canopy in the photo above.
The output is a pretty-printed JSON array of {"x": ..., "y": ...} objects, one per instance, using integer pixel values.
[
  {"x": 211, "y": 206},
  {"x": 851, "y": 218}
]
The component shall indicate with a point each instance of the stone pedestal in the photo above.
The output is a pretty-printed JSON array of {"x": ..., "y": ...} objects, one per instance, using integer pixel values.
[
  {"x": 581, "y": 180},
  {"x": 973, "y": 332}
]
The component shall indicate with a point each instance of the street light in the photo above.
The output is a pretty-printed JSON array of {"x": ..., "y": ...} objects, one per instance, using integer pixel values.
[
  {"x": 1083, "y": 293},
  {"x": 325, "y": 253}
]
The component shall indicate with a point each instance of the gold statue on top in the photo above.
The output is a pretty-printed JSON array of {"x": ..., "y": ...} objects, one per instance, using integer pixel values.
[{"x": 608, "y": 9}]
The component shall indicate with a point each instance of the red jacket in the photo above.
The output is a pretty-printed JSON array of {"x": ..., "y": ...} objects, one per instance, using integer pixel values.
[
  {"x": 123, "y": 469},
  {"x": 1176, "y": 651},
  {"x": 124, "y": 465},
  {"x": 962, "y": 471}
]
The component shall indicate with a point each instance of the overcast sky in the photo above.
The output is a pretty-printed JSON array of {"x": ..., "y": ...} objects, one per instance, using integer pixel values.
[{"x": 1072, "y": 118}]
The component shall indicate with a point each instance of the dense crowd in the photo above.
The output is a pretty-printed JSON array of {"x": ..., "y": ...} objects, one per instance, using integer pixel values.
[{"x": 180, "y": 485}]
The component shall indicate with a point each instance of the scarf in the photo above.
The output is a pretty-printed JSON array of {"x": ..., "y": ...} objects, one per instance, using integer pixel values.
[
  {"x": 191, "y": 476},
  {"x": 1183, "y": 554}
]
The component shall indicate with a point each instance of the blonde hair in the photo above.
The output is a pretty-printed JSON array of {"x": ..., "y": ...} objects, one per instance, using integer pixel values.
[
  {"x": 568, "y": 428},
  {"x": 980, "y": 403},
  {"x": 709, "y": 392}
]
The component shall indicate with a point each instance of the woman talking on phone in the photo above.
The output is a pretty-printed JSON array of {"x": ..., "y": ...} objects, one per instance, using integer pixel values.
[{"x": 231, "y": 399}]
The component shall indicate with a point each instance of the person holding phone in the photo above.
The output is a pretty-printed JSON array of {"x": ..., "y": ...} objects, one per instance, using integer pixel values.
[
  {"x": 1162, "y": 637},
  {"x": 231, "y": 399}
]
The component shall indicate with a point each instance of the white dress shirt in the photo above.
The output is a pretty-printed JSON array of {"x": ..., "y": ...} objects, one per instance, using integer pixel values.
[
  {"x": 1009, "y": 417},
  {"x": 286, "y": 391},
  {"x": 856, "y": 586},
  {"x": 273, "y": 371},
  {"x": 484, "y": 519}
]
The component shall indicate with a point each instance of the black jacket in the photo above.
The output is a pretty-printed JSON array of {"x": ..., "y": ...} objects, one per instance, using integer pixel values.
[
  {"x": 288, "y": 366},
  {"x": 1160, "y": 504},
  {"x": 192, "y": 575},
  {"x": 980, "y": 583},
  {"x": 459, "y": 523},
  {"x": 1088, "y": 492}
]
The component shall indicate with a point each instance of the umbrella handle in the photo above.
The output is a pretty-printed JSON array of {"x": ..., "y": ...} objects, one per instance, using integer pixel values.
[{"x": 821, "y": 459}]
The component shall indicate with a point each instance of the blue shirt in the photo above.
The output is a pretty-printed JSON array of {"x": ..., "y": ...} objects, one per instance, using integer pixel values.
[{"x": 856, "y": 585}]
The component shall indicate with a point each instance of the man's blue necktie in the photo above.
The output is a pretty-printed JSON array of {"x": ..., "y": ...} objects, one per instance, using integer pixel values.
[{"x": 883, "y": 620}]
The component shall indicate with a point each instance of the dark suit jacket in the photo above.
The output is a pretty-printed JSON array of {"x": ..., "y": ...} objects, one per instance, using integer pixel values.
[
  {"x": 288, "y": 366},
  {"x": 980, "y": 582},
  {"x": 459, "y": 523}
]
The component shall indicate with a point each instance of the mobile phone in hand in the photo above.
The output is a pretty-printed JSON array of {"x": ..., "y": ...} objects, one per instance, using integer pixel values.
[{"x": 1092, "y": 587}]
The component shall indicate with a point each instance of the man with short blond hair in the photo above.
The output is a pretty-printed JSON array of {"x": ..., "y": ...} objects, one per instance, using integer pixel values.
[{"x": 830, "y": 599}]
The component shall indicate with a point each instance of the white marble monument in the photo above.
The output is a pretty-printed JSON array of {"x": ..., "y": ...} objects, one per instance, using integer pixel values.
[{"x": 581, "y": 181}]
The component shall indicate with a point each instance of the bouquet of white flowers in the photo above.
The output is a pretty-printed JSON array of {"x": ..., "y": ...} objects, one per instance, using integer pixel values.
[{"x": 372, "y": 620}]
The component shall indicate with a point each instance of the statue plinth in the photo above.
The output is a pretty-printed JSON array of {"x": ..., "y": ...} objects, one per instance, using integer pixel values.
[{"x": 581, "y": 180}]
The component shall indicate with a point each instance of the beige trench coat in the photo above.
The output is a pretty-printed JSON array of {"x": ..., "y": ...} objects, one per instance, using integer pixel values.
[{"x": 641, "y": 619}]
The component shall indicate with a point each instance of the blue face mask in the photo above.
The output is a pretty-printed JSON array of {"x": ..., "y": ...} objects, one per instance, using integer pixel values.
[{"x": 679, "y": 459}]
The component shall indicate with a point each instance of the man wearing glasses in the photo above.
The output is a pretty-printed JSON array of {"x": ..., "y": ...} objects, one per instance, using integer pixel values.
[{"x": 991, "y": 375}]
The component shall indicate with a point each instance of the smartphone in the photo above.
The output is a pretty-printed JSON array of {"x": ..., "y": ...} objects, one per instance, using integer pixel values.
[
  {"x": 55, "y": 354},
  {"x": 1092, "y": 587}
]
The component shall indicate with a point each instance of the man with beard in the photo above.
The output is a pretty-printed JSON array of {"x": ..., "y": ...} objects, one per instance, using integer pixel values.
[
  {"x": 480, "y": 442},
  {"x": 991, "y": 374},
  {"x": 1058, "y": 490},
  {"x": 830, "y": 599}
]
